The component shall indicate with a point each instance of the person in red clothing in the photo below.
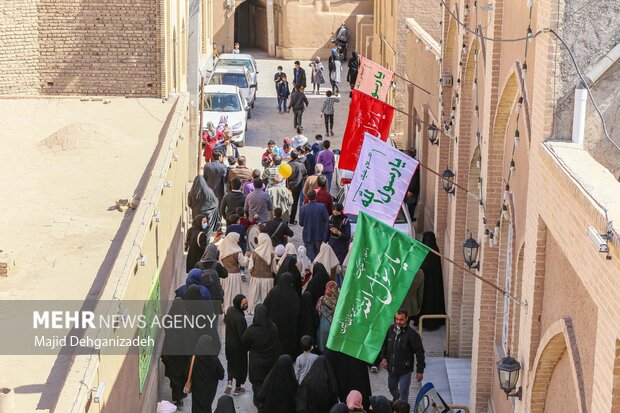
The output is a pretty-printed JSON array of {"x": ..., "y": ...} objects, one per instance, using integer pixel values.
[
  {"x": 322, "y": 194},
  {"x": 243, "y": 220},
  {"x": 213, "y": 136}
]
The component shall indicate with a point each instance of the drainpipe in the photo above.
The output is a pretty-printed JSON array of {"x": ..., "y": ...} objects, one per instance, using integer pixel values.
[
  {"x": 600, "y": 67},
  {"x": 579, "y": 113},
  {"x": 581, "y": 93}
]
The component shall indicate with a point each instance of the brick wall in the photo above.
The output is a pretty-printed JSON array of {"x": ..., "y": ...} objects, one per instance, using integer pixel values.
[
  {"x": 76, "y": 47},
  {"x": 19, "y": 48}
]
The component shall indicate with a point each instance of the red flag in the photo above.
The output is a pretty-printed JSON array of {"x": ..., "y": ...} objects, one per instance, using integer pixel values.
[{"x": 366, "y": 114}]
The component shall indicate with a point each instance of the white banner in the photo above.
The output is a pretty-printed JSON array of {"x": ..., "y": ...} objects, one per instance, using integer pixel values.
[{"x": 380, "y": 180}]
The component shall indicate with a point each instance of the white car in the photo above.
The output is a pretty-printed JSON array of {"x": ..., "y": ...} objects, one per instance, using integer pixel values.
[
  {"x": 403, "y": 221},
  {"x": 236, "y": 76},
  {"x": 244, "y": 60},
  {"x": 225, "y": 100}
]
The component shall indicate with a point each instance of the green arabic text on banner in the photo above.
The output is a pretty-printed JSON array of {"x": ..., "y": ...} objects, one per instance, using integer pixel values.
[{"x": 381, "y": 268}]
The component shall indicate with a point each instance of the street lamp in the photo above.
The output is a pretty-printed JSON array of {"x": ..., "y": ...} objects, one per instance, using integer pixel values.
[
  {"x": 508, "y": 371},
  {"x": 470, "y": 253},
  {"x": 432, "y": 133},
  {"x": 448, "y": 181}
]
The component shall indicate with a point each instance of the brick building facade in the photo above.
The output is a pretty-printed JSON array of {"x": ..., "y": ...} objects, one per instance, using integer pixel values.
[
  {"x": 114, "y": 48},
  {"x": 504, "y": 109}
]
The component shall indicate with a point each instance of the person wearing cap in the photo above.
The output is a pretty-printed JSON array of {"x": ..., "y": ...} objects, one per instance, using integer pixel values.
[
  {"x": 287, "y": 148},
  {"x": 300, "y": 139}
]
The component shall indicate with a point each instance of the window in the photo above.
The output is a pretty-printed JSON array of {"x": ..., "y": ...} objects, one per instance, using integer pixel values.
[
  {"x": 232, "y": 79},
  {"x": 222, "y": 102},
  {"x": 235, "y": 62}
]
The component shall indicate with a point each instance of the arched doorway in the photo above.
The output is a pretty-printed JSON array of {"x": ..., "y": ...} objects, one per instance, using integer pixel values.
[{"x": 251, "y": 25}]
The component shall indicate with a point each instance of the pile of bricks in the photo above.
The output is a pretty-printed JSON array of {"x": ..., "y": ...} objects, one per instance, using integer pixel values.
[{"x": 7, "y": 263}]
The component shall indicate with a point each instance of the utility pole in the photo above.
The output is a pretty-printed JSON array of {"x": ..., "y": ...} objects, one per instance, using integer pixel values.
[{"x": 202, "y": 106}]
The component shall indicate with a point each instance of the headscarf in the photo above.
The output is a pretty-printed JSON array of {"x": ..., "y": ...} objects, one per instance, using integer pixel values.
[
  {"x": 318, "y": 282},
  {"x": 289, "y": 249},
  {"x": 354, "y": 400},
  {"x": 327, "y": 303},
  {"x": 201, "y": 197},
  {"x": 334, "y": 53},
  {"x": 279, "y": 250},
  {"x": 302, "y": 258},
  {"x": 210, "y": 254},
  {"x": 288, "y": 264},
  {"x": 194, "y": 282},
  {"x": 328, "y": 258},
  {"x": 197, "y": 222},
  {"x": 380, "y": 404},
  {"x": 230, "y": 245},
  {"x": 336, "y": 220},
  {"x": 206, "y": 348},
  {"x": 223, "y": 123},
  {"x": 265, "y": 248},
  {"x": 193, "y": 292},
  {"x": 260, "y": 316},
  {"x": 225, "y": 404},
  {"x": 237, "y": 301}
]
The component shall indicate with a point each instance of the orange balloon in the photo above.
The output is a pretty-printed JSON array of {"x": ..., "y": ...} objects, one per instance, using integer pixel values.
[{"x": 285, "y": 170}]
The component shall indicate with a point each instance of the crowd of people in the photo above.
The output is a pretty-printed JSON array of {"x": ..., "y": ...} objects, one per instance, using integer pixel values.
[{"x": 292, "y": 290}]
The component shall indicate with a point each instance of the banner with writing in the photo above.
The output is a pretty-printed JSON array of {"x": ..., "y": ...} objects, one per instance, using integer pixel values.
[
  {"x": 380, "y": 180},
  {"x": 382, "y": 266},
  {"x": 366, "y": 114},
  {"x": 373, "y": 79}
]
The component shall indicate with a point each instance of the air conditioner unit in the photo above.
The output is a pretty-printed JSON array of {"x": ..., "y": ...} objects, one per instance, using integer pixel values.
[{"x": 445, "y": 80}]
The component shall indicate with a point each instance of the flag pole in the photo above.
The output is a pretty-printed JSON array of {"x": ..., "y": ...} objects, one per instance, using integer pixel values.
[
  {"x": 413, "y": 84},
  {"x": 489, "y": 283}
]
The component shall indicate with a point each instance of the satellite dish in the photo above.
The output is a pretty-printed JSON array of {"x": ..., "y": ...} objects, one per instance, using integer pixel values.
[{"x": 252, "y": 236}]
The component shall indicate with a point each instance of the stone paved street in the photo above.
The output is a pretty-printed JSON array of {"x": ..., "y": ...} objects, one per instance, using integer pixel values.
[{"x": 267, "y": 123}]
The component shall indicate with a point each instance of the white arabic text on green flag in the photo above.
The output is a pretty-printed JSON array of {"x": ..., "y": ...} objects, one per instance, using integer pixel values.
[{"x": 382, "y": 266}]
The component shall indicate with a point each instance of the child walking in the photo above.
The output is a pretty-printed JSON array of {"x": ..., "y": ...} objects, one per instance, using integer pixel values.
[{"x": 327, "y": 112}]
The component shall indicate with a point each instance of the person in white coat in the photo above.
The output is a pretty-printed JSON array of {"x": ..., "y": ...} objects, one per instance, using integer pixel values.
[
  {"x": 232, "y": 258},
  {"x": 261, "y": 272}
]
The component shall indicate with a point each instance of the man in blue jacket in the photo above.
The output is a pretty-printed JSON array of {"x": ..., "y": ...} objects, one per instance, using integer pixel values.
[{"x": 313, "y": 217}]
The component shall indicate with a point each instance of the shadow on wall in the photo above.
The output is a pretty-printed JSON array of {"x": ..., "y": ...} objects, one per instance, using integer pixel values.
[{"x": 62, "y": 366}]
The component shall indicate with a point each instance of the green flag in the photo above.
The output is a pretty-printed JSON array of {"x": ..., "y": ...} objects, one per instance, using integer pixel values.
[{"x": 381, "y": 268}]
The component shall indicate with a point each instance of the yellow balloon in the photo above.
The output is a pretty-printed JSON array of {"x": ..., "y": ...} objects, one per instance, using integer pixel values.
[{"x": 285, "y": 170}]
